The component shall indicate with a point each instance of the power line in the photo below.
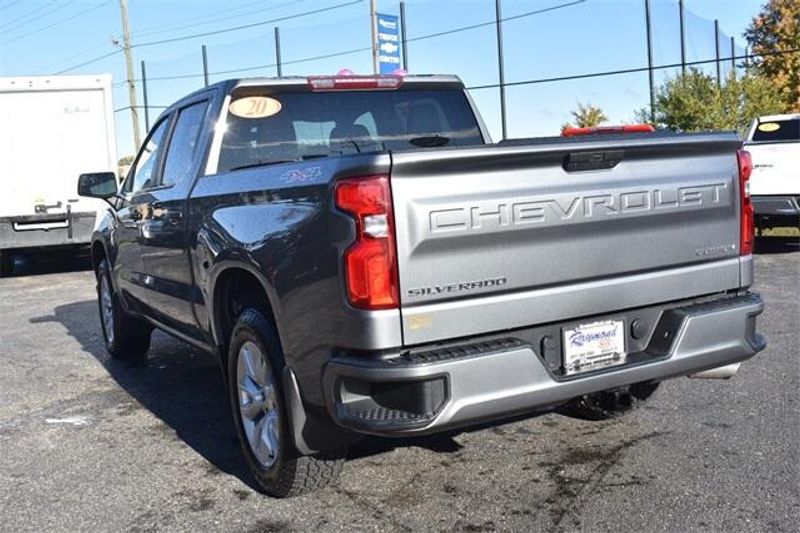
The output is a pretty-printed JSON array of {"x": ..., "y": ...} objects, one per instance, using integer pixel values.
[
  {"x": 246, "y": 26},
  {"x": 225, "y": 30},
  {"x": 365, "y": 48},
  {"x": 89, "y": 62},
  {"x": 57, "y": 23},
  {"x": 121, "y": 109},
  {"x": 104, "y": 44},
  {"x": 33, "y": 13},
  {"x": 258, "y": 67},
  {"x": 34, "y": 19},
  {"x": 487, "y": 86},
  {"x": 168, "y": 24},
  {"x": 3, "y": 8},
  {"x": 155, "y": 30},
  {"x": 492, "y": 23},
  {"x": 627, "y": 70},
  {"x": 73, "y": 56}
]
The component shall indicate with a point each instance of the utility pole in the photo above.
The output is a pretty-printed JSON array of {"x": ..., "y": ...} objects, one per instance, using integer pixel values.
[
  {"x": 205, "y": 66},
  {"x": 683, "y": 36},
  {"x": 144, "y": 96},
  {"x": 373, "y": 17},
  {"x": 650, "y": 61},
  {"x": 716, "y": 48},
  {"x": 498, "y": 20},
  {"x": 126, "y": 48},
  {"x": 403, "y": 39},
  {"x": 278, "y": 51}
]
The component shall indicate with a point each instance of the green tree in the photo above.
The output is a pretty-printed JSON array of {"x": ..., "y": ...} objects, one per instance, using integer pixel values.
[
  {"x": 693, "y": 102},
  {"x": 587, "y": 116},
  {"x": 775, "y": 29}
]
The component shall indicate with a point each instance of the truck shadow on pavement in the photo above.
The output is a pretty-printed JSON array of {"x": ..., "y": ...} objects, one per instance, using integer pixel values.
[
  {"x": 777, "y": 245},
  {"x": 34, "y": 262},
  {"x": 183, "y": 387}
]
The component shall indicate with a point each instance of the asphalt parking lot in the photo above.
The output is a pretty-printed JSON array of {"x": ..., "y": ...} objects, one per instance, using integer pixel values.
[{"x": 91, "y": 444}]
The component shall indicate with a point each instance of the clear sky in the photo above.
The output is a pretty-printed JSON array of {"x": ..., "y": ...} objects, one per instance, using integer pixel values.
[{"x": 45, "y": 37}]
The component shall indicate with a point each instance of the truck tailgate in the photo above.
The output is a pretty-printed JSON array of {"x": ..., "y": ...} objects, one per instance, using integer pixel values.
[
  {"x": 506, "y": 236},
  {"x": 776, "y": 169}
]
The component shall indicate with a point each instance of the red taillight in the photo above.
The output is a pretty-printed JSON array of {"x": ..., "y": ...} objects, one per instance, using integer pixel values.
[
  {"x": 747, "y": 233},
  {"x": 353, "y": 83},
  {"x": 370, "y": 262},
  {"x": 627, "y": 128}
]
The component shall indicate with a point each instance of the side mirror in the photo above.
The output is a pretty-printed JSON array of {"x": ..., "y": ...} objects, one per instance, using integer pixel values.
[{"x": 97, "y": 185}]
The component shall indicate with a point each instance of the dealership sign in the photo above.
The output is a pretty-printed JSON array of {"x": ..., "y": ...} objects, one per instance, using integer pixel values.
[{"x": 388, "y": 43}]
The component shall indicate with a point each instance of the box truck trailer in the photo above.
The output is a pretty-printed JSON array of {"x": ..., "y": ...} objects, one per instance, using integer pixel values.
[{"x": 52, "y": 128}]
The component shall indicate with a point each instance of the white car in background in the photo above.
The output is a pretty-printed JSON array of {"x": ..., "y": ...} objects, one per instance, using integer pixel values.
[{"x": 774, "y": 143}]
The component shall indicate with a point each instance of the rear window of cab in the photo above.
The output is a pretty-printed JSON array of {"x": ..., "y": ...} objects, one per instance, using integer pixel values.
[
  {"x": 787, "y": 130},
  {"x": 266, "y": 126}
]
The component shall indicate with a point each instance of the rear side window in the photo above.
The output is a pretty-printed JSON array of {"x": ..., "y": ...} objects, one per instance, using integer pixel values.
[
  {"x": 183, "y": 145},
  {"x": 264, "y": 126},
  {"x": 777, "y": 131}
]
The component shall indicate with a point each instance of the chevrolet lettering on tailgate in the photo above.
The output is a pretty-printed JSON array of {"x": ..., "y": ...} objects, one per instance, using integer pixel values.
[{"x": 559, "y": 209}]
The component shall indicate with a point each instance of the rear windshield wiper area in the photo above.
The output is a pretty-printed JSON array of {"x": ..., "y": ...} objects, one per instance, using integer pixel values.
[{"x": 268, "y": 162}]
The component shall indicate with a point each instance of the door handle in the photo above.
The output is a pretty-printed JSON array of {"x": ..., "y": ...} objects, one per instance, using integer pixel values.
[{"x": 167, "y": 214}]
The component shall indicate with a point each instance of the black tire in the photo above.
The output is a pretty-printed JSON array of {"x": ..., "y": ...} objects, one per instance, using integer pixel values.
[
  {"x": 291, "y": 473},
  {"x": 609, "y": 404},
  {"x": 126, "y": 337}
]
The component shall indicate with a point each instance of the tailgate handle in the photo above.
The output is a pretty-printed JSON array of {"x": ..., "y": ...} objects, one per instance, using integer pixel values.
[{"x": 580, "y": 161}]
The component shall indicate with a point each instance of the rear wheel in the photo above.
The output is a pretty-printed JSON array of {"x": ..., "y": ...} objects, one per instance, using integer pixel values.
[
  {"x": 255, "y": 364},
  {"x": 126, "y": 336},
  {"x": 609, "y": 404}
]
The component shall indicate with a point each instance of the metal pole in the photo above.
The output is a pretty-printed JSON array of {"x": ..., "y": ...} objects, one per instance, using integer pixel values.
[
  {"x": 500, "y": 66},
  {"x": 144, "y": 96},
  {"x": 716, "y": 48},
  {"x": 278, "y": 51},
  {"x": 733, "y": 56},
  {"x": 205, "y": 66},
  {"x": 373, "y": 17},
  {"x": 683, "y": 37},
  {"x": 650, "y": 61},
  {"x": 746, "y": 59},
  {"x": 126, "y": 47},
  {"x": 403, "y": 35}
]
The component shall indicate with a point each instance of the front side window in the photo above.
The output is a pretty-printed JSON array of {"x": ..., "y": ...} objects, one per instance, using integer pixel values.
[
  {"x": 183, "y": 145},
  {"x": 143, "y": 175},
  {"x": 267, "y": 125}
]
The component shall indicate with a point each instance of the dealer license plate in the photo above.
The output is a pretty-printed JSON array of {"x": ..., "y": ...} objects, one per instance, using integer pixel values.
[{"x": 594, "y": 346}]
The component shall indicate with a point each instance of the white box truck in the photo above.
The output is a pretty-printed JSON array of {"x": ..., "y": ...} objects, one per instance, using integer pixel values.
[{"x": 52, "y": 128}]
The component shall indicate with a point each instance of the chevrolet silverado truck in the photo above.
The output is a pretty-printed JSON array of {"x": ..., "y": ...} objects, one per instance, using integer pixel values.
[
  {"x": 363, "y": 260},
  {"x": 774, "y": 144}
]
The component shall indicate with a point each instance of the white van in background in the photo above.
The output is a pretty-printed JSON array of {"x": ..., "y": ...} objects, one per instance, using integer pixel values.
[
  {"x": 774, "y": 143},
  {"x": 52, "y": 128}
]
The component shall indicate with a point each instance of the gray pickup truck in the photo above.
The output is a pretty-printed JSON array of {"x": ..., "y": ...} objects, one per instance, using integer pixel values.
[{"x": 363, "y": 260}]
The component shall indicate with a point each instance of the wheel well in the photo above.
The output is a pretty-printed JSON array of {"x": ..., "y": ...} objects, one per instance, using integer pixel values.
[
  {"x": 237, "y": 289},
  {"x": 98, "y": 254}
]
